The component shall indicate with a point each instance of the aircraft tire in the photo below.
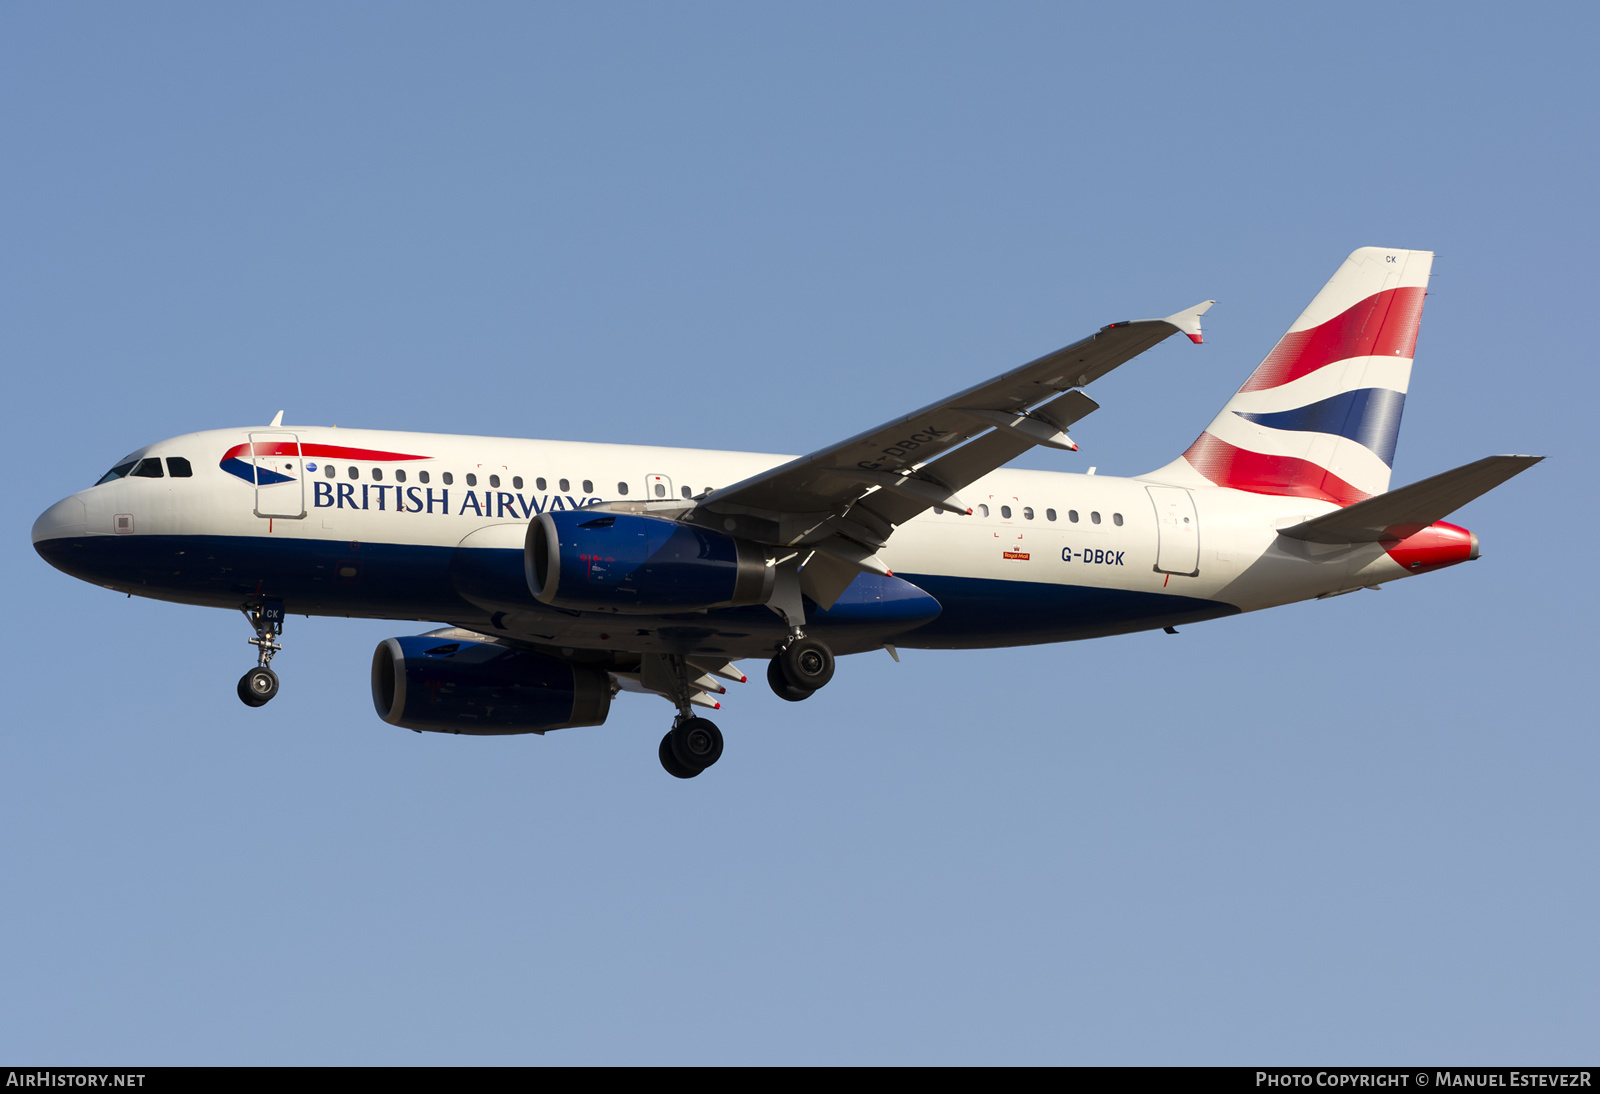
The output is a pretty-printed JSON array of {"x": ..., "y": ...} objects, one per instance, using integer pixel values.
[
  {"x": 780, "y": 684},
  {"x": 258, "y": 686},
  {"x": 806, "y": 664},
  {"x": 670, "y": 761},
  {"x": 696, "y": 743}
]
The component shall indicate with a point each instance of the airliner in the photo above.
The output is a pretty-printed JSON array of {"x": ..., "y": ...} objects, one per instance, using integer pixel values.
[{"x": 564, "y": 573}]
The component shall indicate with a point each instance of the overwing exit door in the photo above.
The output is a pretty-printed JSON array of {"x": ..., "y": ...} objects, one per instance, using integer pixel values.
[{"x": 657, "y": 488}]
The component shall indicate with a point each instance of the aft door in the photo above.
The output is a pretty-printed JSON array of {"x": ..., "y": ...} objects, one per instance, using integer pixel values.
[
  {"x": 1178, "y": 529},
  {"x": 280, "y": 479}
]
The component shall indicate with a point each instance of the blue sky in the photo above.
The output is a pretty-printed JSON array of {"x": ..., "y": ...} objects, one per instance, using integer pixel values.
[{"x": 1353, "y": 831}]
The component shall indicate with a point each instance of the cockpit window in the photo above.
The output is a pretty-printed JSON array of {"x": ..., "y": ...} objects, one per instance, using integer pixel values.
[
  {"x": 147, "y": 469},
  {"x": 178, "y": 467},
  {"x": 117, "y": 472}
]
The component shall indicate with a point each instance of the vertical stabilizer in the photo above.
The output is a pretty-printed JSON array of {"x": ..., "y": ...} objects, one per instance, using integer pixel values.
[{"x": 1319, "y": 416}]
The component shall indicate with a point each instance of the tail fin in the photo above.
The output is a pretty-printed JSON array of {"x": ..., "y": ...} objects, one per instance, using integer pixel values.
[{"x": 1319, "y": 417}]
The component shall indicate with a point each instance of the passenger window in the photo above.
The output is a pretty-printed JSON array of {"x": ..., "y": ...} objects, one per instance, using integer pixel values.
[
  {"x": 147, "y": 469},
  {"x": 516, "y": 482},
  {"x": 472, "y": 480},
  {"x": 400, "y": 475},
  {"x": 983, "y": 509},
  {"x": 329, "y": 470},
  {"x": 422, "y": 476},
  {"x": 1027, "y": 513},
  {"x": 355, "y": 472},
  {"x": 1116, "y": 518},
  {"x": 448, "y": 478},
  {"x": 622, "y": 488},
  {"x": 1049, "y": 514},
  {"x": 588, "y": 487},
  {"x": 1095, "y": 517},
  {"x": 178, "y": 468},
  {"x": 1005, "y": 511},
  {"x": 538, "y": 484},
  {"x": 377, "y": 474},
  {"x": 565, "y": 486},
  {"x": 685, "y": 492},
  {"x": 1072, "y": 515}
]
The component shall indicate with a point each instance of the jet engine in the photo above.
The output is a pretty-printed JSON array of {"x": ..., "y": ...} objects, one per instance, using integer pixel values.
[
  {"x": 623, "y": 562},
  {"x": 427, "y": 682}
]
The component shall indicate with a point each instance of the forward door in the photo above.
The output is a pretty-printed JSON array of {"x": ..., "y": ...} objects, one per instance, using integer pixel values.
[{"x": 280, "y": 477}]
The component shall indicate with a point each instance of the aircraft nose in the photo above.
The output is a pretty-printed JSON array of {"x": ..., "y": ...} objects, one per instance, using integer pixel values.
[{"x": 66, "y": 519}]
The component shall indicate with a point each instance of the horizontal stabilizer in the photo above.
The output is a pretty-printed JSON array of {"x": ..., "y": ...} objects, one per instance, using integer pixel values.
[{"x": 1406, "y": 511}]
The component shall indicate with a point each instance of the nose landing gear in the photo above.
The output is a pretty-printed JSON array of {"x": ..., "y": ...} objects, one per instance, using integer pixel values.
[{"x": 260, "y": 684}]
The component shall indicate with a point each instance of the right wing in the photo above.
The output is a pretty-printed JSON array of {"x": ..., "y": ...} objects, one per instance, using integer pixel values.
[{"x": 844, "y": 501}]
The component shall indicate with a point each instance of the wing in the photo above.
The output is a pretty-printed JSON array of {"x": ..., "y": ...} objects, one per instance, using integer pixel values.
[{"x": 841, "y": 503}]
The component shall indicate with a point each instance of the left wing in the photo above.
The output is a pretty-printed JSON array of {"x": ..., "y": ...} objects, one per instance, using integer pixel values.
[{"x": 840, "y": 504}]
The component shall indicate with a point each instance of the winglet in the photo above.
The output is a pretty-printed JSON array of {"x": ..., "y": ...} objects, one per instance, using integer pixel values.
[
  {"x": 277, "y": 420},
  {"x": 1188, "y": 320}
]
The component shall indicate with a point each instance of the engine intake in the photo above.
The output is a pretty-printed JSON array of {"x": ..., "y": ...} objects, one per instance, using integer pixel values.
[
  {"x": 622, "y": 562},
  {"x": 430, "y": 683}
]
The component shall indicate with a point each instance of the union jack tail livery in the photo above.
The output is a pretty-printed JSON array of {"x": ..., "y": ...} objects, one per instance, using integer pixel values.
[{"x": 1319, "y": 416}]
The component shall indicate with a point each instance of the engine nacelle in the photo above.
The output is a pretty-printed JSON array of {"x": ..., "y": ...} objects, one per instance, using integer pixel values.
[
  {"x": 622, "y": 562},
  {"x": 432, "y": 683}
]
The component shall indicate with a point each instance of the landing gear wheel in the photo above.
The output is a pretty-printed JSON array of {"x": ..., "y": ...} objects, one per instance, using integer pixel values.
[
  {"x": 670, "y": 761},
  {"x": 258, "y": 686},
  {"x": 696, "y": 742},
  {"x": 806, "y": 664},
  {"x": 780, "y": 685}
]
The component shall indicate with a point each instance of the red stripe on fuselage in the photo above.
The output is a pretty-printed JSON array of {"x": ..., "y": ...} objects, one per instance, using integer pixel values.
[
  {"x": 1259, "y": 473},
  {"x": 1383, "y": 325},
  {"x": 326, "y": 451}
]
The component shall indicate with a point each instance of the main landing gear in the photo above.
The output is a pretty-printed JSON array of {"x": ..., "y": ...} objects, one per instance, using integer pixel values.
[
  {"x": 692, "y": 744},
  {"x": 801, "y": 668},
  {"x": 260, "y": 684}
]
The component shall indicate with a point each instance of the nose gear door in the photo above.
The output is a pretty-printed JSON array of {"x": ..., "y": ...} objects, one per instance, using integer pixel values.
[{"x": 280, "y": 477}]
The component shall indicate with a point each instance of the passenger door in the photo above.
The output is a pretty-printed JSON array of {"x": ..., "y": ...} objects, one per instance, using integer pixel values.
[
  {"x": 1177, "y": 529},
  {"x": 280, "y": 477}
]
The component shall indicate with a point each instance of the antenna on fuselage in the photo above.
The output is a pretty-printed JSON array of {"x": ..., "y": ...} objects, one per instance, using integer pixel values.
[{"x": 277, "y": 420}]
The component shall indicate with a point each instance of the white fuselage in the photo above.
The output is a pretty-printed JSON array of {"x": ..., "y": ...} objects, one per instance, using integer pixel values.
[{"x": 1044, "y": 556}]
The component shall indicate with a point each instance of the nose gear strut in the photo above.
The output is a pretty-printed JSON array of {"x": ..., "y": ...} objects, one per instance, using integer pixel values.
[{"x": 260, "y": 684}]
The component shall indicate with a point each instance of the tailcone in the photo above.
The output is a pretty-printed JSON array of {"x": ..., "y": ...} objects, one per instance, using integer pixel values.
[{"x": 1438, "y": 545}]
